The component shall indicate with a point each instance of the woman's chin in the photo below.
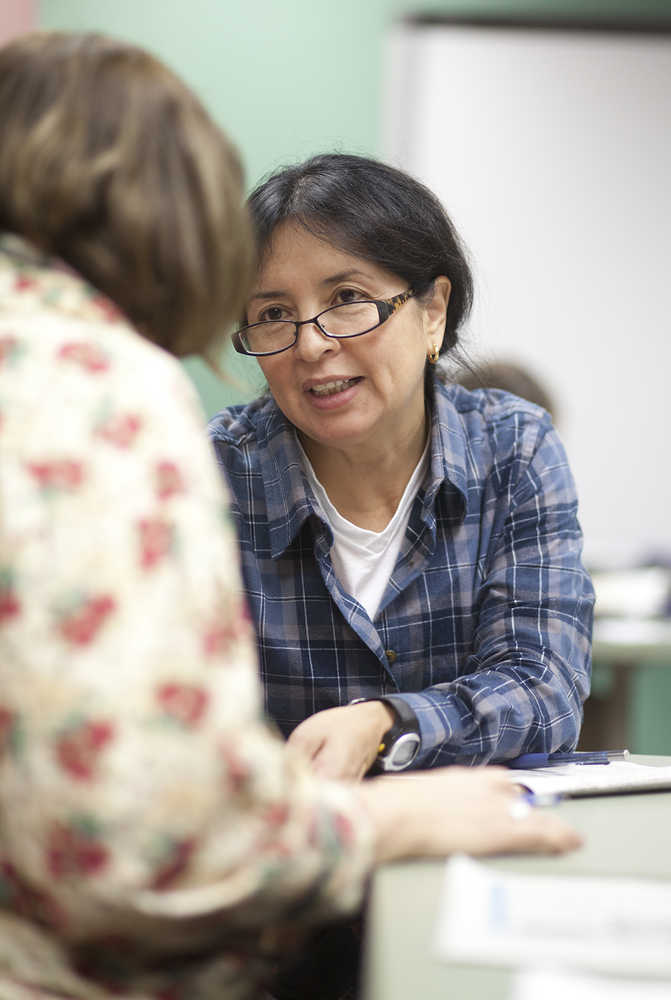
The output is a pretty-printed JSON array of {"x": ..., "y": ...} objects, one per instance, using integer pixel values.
[{"x": 344, "y": 435}]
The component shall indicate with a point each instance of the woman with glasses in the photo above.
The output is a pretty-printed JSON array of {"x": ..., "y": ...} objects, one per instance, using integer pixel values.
[{"x": 411, "y": 550}]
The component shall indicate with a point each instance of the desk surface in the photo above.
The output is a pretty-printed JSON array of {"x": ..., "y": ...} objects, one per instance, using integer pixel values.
[{"x": 625, "y": 835}]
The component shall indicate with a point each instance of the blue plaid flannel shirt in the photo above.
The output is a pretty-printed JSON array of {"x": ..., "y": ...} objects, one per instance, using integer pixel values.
[{"x": 485, "y": 625}]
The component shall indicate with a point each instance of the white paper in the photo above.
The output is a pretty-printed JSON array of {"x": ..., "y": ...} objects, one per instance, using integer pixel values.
[
  {"x": 593, "y": 779},
  {"x": 502, "y": 918},
  {"x": 554, "y": 985}
]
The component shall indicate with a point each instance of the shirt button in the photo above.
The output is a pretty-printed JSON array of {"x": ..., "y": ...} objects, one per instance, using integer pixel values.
[{"x": 391, "y": 655}]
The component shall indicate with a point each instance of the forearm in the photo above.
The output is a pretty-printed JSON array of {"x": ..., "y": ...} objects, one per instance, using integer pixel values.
[
  {"x": 530, "y": 701},
  {"x": 455, "y": 809}
]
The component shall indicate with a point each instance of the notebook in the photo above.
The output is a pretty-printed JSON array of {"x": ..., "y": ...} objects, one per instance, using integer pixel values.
[
  {"x": 495, "y": 917},
  {"x": 593, "y": 779}
]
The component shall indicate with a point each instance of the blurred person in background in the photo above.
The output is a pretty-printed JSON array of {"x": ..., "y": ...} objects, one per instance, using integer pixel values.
[
  {"x": 510, "y": 377},
  {"x": 156, "y": 838}
]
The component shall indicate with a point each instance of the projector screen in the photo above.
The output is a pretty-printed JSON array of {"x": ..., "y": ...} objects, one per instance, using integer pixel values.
[{"x": 550, "y": 147}]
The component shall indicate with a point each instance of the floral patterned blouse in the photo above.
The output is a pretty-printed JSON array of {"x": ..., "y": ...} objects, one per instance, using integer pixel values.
[{"x": 156, "y": 840}]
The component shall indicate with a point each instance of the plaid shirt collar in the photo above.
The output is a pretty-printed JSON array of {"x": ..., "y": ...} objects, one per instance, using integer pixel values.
[{"x": 290, "y": 501}]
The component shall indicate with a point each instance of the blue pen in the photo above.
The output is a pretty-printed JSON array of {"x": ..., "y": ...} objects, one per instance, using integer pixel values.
[
  {"x": 540, "y": 799},
  {"x": 529, "y": 761}
]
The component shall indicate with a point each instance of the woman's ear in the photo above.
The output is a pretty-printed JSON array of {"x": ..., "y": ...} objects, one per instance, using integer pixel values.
[{"x": 435, "y": 312}]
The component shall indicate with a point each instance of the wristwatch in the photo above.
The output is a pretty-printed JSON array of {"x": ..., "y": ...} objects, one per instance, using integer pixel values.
[{"x": 400, "y": 744}]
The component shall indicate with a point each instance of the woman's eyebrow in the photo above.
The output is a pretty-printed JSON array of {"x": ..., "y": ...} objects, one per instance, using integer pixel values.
[
  {"x": 343, "y": 276},
  {"x": 332, "y": 279},
  {"x": 272, "y": 294}
]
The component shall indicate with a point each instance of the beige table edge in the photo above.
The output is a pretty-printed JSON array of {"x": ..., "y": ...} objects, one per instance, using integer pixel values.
[{"x": 625, "y": 835}]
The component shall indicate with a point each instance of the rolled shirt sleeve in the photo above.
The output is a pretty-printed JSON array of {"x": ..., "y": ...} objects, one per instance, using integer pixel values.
[{"x": 523, "y": 686}]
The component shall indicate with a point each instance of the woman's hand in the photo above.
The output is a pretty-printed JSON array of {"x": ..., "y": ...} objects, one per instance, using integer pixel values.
[
  {"x": 477, "y": 810},
  {"x": 343, "y": 742}
]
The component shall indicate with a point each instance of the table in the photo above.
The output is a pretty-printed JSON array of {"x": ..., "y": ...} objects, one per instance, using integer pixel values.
[{"x": 625, "y": 835}]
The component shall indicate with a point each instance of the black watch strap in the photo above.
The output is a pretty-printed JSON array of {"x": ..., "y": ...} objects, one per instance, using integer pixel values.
[
  {"x": 406, "y": 718},
  {"x": 401, "y": 742}
]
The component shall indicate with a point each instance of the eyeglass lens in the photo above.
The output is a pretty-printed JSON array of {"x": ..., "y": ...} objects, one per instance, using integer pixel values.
[{"x": 346, "y": 320}]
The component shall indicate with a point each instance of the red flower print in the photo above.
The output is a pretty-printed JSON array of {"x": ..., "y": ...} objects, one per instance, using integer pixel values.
[
  {"x": 9, "y": 348},
  {"x": 184, "y": 702},
  {"x": 343, "y": 828},
  {"x": 176, "y": 863},
  {"x": 81, "y": 625},
  {"x": 90, "y": 356},
  {"x": 75, "y": 849},
  {"x": 156, "y": 537},
  {"x": 120, "y": 429},
  {"x": 63, "y": 474},
  {"x": 24, "y": 283},
  {"x": 6, "y": 727},
  {"x": 107, "y": 308},
  {"x": 279, "y": 848},
  {"x": 238, "y": 771},
  {"x": 168, "y": 480},
  {"x": 10, "y": 605},
  {"x": 233, "y": 625},
  {"x": 217, "y": 638},
  {"x": 77, "y": 749},
  {"x": 277, "y": 814}
]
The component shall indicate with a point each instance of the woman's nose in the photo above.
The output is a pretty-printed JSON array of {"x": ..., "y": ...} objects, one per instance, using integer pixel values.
[{"x": 312, "y": 344}]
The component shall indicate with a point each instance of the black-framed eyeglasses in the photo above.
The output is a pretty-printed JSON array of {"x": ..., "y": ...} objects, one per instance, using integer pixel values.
[{"x": 351, "y": 319}]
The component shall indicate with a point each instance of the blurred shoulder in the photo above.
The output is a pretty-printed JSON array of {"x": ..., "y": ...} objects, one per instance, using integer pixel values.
[
  {"x": 102, "y": 382},
  {"x": 493, "y": 407}
]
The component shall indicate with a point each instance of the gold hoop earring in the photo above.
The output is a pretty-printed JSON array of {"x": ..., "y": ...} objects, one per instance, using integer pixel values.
[{"x": 433, "y": 355}]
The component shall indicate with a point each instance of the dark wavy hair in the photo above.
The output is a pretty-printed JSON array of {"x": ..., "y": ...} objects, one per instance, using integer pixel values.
[{"x": 374, "y": 211}]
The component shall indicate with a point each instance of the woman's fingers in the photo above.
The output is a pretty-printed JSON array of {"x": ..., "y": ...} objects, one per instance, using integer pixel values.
[
  {"x": 475, "y": 810},
  {"x": 342, "y": 742},
  {"x": 543, "y": 832}
]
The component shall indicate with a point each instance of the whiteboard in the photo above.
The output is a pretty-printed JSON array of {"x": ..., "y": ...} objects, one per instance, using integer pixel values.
[{"x": 551, "y": 150}]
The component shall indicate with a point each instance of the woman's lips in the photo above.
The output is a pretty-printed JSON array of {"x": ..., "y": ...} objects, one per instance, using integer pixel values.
[
  {"x": 327, "y": 394},
  {"x": 332, "y": 386}
]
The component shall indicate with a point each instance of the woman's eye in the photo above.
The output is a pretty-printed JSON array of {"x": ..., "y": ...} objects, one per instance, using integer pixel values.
[
  {"x": 272, "y": 314},
  {"x": 345, "y": 295}
]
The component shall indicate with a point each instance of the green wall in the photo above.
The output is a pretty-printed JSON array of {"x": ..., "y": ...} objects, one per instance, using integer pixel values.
[{"x": 287, "y": 78}]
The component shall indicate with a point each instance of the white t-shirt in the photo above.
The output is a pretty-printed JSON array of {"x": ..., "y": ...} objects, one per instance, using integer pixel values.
[{"x": 364, "y": 560}]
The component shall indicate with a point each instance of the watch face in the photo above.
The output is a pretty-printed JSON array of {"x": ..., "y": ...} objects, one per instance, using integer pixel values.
[
  {"x": 401, "y": 753},
  {"x": 404, "y": 753}
]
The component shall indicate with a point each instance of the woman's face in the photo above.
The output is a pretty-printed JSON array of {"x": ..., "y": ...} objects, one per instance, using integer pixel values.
[{"x": 344, "y": 394}]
